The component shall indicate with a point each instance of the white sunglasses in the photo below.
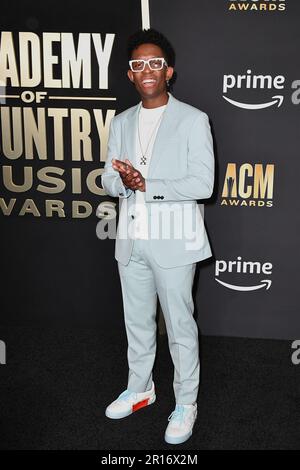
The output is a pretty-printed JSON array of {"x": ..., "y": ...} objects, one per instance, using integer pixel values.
[{"x": 155, "y": 63}]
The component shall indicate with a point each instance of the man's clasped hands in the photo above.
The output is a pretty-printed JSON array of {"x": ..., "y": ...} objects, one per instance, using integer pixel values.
[{"x": 131, "y": 177}]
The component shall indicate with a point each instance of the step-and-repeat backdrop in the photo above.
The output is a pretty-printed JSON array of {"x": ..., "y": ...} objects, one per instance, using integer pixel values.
[
  {"x": 237, "y": 61},
  {"x": 63, "y": 68},
  {"x": 63, "y": 77}
]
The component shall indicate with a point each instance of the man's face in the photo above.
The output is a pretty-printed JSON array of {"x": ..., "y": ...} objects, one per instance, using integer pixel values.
[{"x": 159, "y": 77}]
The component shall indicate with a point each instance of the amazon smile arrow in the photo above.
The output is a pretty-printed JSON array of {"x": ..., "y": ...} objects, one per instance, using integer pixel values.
[
  {"x": 278, "y": 99},
  {"x": 265, "y": 283}
]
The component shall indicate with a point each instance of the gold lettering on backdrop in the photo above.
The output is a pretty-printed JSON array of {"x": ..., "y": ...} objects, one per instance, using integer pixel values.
[
  {"x": 81, "y": 209},
  {"x": 103, "y": 129},
  {"x": 55, "y": 207},
  {"x": 8, "y": 62},
  {"x": 58, "y": 184},
  {"x": 36, "y": 133},
  {"x": 54, "y": 185},
  {"x": 76, "y": 178},
  {"x": 17, "y": 188},
  {"x": 245, "y": 190},
  {"x": 248, "y": 185},
  {"x": 264, "y": 6},
  {"x": 7, "y": 208},
  {"x": 230, "y": 177},
  {"x": 11, "y": 132},
  {"x": 29, "y": 207},
  {"x": 263, "y": 183},
  {"x": 75, "y": 63},
  {"x": 32, "y": 123},
  {"x": 58, "y": 131},
  {"x": 91, "y": 182}
]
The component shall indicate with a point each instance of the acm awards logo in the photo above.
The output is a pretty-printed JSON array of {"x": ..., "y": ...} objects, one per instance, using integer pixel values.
[
  {"x": 54, "y": 122},
  {"x": 248, "y": 185},
  {"x": 257, "y": 5},
  {"x": 241, "y": 269},
  {"x": 272, "y": 90}
]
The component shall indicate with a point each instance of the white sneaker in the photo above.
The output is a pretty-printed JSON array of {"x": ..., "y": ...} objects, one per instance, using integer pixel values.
[
  {"x": 180, "y": 427},
  {"x": 129, "y": 402}
]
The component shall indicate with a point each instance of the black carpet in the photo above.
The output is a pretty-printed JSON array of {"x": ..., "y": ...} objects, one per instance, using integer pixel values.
[{"x": 57, "y": 383}]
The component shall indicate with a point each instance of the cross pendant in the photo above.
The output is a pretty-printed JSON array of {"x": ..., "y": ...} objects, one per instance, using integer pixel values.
[{"x": 143, "y": 160}]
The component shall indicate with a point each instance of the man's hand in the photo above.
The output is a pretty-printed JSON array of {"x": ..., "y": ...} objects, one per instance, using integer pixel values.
[{"x": 131, "y": 177}]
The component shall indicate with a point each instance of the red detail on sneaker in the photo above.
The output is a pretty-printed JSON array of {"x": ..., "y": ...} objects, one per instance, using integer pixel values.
[{"x": 140, "y": 404}]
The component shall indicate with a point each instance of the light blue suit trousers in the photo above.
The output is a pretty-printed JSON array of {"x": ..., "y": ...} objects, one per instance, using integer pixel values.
[{"x": 142, "y": 279}]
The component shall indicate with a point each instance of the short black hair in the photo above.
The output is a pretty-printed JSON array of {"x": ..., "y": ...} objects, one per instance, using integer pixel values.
[{"x": 152, "y": 36}]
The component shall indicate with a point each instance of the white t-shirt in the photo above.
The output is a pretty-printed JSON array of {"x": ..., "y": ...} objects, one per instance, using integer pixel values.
[{"x": 149, "y": 122}]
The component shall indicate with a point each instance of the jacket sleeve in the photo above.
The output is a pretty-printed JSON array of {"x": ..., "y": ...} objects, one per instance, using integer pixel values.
[
  {"x": 111, "y": 180},
  {"x": 199, "y": 181}
]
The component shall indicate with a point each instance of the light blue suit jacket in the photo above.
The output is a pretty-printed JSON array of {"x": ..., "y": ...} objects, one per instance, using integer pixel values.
[{"x": 181, "y": 171}]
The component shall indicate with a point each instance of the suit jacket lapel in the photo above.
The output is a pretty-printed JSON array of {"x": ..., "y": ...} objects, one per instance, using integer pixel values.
[
  {"x": 131, "y": 124},
  {"x": 165, "y": 130}
]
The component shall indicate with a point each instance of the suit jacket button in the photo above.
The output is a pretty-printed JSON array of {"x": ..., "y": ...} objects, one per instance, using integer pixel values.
[
  {"x": 154, "y": 197},
  {"x": 162, "y": 197},
  {"x": 132, "y": 216}
]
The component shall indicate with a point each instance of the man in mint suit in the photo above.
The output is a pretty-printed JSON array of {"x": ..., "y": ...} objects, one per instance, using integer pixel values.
[{"x": 160, "y": 161}]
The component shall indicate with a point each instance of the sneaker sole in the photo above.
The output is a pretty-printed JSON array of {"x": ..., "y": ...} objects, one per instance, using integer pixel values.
[
  {"x": 177, "y": 440},
  {"x": 136, "y": 407}
]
